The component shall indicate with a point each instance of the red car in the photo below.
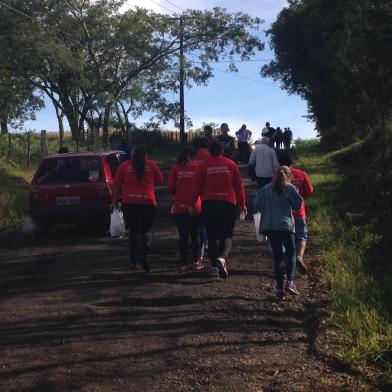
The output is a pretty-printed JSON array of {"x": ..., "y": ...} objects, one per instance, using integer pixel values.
[{"x": 74, "y": 188}]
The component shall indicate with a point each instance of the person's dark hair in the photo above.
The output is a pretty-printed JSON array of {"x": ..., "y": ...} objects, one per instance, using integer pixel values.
[
  {"x": 267, "y": 124},
  {"x": 139, "y": 161},
  {"x": 63, "y": 150},
  {"x": 283, "y": 176},
  {"x": 203, "y": 142},
  {"x": 195, "y": 143},
  {"x": 208, "y": 128},
  {"x": 216, "y": 148},
  {"x": 185, "y": 155},
  {"x": 285, "y": 158}
]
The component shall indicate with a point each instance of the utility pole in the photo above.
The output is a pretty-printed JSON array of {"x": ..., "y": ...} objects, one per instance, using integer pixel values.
[{"x": 182, "y": 77}]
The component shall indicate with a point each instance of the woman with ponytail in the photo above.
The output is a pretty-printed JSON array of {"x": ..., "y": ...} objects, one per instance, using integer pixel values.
[
  {"x": 275, "y": 202},
  {"x": 180, "y": 184},
  {"x": 134, "y": 185}
]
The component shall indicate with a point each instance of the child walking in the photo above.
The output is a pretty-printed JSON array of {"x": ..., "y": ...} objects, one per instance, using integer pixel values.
[{"x": 275, "y": 202}]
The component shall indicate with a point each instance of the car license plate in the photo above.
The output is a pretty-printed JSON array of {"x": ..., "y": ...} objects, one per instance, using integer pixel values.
[{"x": 68, "y": 201}]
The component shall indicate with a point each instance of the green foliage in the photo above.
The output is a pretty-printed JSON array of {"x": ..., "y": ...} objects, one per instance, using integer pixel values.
[
  {"x": 354, "y": 258},
  {"x": 13, "y": 196},
  {"x": 336, "y": 55},
  {"x": 91, "y": 59}
]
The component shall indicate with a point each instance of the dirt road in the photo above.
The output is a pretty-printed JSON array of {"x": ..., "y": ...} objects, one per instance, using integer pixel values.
[{"x": 75, "y": 318}]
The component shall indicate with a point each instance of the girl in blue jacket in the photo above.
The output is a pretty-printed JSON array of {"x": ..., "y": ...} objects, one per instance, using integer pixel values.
[{"x": 275, "y": 202}]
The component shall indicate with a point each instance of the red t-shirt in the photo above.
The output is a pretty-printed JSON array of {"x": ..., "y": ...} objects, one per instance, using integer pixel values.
[
  {"x": 301, "y": 180},
  {"x": 180, "y": 183},
  {"x": 218, "y": 178},
  {"x": 135, "y": 191}
]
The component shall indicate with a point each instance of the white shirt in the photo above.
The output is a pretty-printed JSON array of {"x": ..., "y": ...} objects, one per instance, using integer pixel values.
[{"x": 266, "y": 161}]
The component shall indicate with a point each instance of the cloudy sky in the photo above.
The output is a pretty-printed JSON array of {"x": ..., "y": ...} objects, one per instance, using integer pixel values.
[{"x": 243, "y": 97}]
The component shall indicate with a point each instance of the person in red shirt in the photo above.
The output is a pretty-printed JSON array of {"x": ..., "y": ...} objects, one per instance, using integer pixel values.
[
  {"x": 134, "y": 183},
  {"x": 218, "y": 183},
  {"x": 299, "y": 179},
  {"x": 180, "y": 184},
  {"x": 201, "y": 145}
]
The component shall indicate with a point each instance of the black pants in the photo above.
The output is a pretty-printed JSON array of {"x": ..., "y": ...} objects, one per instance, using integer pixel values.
[
  {"x": 243, "y": 152},
  {"x": 219, "y": 219},
  {"x": 188, "y": 226},
  {"x": 261, "y": 181},
  {"x": 139, "y": 219}
]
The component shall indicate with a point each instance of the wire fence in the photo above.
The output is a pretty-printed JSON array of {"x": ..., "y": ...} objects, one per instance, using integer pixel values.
[{"x": 26, "y": 149}]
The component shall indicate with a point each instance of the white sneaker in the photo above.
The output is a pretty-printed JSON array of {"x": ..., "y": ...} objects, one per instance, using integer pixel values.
[{"x": 221, "y": 262}]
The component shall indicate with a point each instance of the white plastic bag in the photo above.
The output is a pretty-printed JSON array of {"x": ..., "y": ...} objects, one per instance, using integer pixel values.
[
  {"x": 259, "y": 237},
  {"x": 117, "y": 226}
]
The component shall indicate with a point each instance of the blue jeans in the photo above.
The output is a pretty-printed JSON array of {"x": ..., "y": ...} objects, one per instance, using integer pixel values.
[{"x": 278, "y": 240}]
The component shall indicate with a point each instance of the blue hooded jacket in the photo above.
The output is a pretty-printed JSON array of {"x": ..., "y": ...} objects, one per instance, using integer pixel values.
[{"x": 275, "y": 209}]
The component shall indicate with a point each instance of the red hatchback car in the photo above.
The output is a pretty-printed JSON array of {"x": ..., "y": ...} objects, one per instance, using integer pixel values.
[{"x": 74, "y": 188}]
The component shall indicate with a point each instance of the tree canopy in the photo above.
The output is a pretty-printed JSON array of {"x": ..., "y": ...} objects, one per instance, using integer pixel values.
[
  {"x": 92, "y": 60},
  {"x": 337, "y": 55}
]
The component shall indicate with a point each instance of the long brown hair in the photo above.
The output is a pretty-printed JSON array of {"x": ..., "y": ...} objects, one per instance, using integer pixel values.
[
  {"x": 283, "y": 176},
  {"x": 139, "y": 161}
]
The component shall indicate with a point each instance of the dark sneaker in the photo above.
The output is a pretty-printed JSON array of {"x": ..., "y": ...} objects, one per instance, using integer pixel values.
[
  {"x": 303, "y": 269},
  {"x": 146, "y": 266},
  {"x": 280, "y": 295},
  {"x": 221, "y": 264},
  {"x": 291, "y": 288}
]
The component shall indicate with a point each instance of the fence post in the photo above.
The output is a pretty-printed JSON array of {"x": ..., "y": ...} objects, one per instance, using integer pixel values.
[
  {"x": 44, "y": 150},
  {"x": 96, "y": 138},
  {"x": 28, "y": 148},
  {"x": 9, "y": 145}
]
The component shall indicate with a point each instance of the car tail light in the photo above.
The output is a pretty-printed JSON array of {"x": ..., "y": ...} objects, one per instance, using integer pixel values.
[{"x": 35, "y": 196}]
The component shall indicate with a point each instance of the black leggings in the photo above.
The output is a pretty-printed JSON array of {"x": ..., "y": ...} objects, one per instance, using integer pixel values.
[
  {"x": 219, "y": 219},
  {"x": 188, "y": 226},
  {"x": 139, "y": 219}
]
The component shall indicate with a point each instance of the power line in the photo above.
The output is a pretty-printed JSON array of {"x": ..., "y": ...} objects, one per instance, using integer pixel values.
[
  {"x": 175, "y": 5},
  {"x": 22, "y": 13},
  {"x": 162, "y": 6},
  {"x": 243, "y": 77},
  {"x": 232, "y": 61}
]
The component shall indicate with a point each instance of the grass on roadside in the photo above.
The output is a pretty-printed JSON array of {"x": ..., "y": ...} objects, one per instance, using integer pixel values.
[
  {"x": 361, "y": 305},
  {"x": 13, "y": 196}
]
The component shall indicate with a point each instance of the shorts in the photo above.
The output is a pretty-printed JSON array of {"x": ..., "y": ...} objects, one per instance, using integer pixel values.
[{"x": 301, "y": 230}]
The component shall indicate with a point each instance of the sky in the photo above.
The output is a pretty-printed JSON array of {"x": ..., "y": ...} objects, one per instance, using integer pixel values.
[{"x": 235, "y": 98}]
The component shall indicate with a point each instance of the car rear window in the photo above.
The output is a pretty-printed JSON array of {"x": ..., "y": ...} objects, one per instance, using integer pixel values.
[
  {"x": 69, "y": 170},
  {"x": 115, "y": 160}
]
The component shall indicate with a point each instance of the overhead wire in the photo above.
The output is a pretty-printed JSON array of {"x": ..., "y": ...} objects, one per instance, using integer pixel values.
[
  {"x": 175, "y": 5},
  {"x": 162, "y": 6},
  {"x": 195, "y": 62}
]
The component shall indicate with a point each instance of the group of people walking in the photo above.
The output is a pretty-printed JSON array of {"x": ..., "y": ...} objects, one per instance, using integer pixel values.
[
  {"x": 207, "y": 190},
  {"x": 278, "y": 139}
]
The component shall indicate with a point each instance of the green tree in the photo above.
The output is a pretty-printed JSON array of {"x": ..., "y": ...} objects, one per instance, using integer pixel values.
[
  {"x": 86, "y": 56},
  {"x": 336, "y": 55},
  {"x": 18, "y": 101}
]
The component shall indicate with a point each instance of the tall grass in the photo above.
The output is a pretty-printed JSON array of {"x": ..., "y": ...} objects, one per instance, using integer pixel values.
[
  {"x": 349, "y": 242},
  {"x": 13, "y": 195}
]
